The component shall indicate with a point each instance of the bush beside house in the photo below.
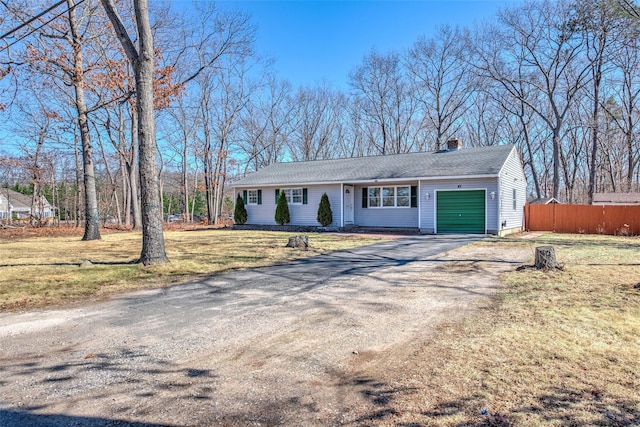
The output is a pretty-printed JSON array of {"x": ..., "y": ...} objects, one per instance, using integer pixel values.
[
  {"x": 282, "y": 210},
  {"x": 240, "y": 212},
  {"x": 325, "y": 216}
]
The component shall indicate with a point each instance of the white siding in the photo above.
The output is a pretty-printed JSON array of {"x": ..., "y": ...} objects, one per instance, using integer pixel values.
[
  {"x": 264, "y": 214},
  {"x": 512, "y": 178},
  {"x": 427, "y": 207},
  {"x": 384, "y": 217},
  {"x": 4, "y": 207}
]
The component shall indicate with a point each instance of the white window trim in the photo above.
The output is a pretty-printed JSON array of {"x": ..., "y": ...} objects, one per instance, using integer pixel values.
[
  {"x": 249, "y": 197},
  {"x": 395, "y": 197},
  {"x": 288, "y": 193}
]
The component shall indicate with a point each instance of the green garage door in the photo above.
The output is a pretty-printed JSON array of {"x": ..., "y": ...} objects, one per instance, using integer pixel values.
[{"x": 460, "y": 211}]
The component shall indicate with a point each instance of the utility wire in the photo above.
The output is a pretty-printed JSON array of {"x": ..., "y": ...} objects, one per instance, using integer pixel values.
[
  {"x": 37, "y": 28},
  {"x": 24, "y": 24}
]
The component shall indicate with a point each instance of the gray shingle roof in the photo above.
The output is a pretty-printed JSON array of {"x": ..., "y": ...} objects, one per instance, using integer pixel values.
[
  {"x": 19, "y": 201},
  {"x": 616, "y": 198},
  {"x": 478, "y": 161}
]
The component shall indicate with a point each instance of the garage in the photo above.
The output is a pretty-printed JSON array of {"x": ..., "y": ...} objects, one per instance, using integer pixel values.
[{"x": 461, "y": 211}]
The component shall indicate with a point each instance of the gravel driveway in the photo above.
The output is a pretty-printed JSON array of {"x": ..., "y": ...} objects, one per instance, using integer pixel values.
[{"x": 294, "y": 344}]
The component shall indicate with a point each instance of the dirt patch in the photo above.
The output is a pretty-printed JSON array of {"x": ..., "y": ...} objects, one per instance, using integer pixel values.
[{"x": 267, "y": 356}]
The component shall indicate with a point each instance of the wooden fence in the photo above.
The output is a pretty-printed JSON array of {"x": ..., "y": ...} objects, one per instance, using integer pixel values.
[{"x": 615, "y": 220}]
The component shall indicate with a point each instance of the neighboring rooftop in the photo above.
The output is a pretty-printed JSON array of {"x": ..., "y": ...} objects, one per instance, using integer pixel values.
[
  {"x": 544, "y": 201},
  {"x": 17, "y": 200},
  {"x": 477, "y": 161},
  {"x": 616, "y": 199}
]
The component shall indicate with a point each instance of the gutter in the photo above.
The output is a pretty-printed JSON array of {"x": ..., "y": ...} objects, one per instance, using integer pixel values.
[{"x": 366, "y": 181}]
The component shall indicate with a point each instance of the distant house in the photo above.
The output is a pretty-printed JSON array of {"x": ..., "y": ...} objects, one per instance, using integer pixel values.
[
  {"x": 544, "y": 201},
  {"x": 14, "y": 205},
  {"x": 625, "y": 199},
  {"x": 475, "y": 190}
]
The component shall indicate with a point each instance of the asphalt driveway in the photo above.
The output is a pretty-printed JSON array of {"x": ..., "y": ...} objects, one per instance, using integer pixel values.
[{"x": 281, "y": 345}]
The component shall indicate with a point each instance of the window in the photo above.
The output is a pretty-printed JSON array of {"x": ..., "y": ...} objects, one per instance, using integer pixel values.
[
  {"x": 515, "y": 200},
  {"x": 403, "y": 197},
  {"x": 374, "y": 197},
  {"x": 252, "y": 197},
  {"x": 293, "y": 195},
  {"x": 389, "y": 197},
  {"x": 296, "y": 196}
]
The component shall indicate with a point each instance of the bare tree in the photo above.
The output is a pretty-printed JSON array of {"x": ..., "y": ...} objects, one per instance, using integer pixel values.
[
  {"x": 539, "y": 46},
  {"x": 266, "y": 124},
  {"x": 382, "y": 92},
  {"x": 316, "y": 117},
  {"x": 624, "y": 102},
  {"x": 55, "y": 54},
  {"x": 182, "y": 141},
  {"x": 598, "y": 20},
  {"x": 225, "y": 92},
  {"x": 37, "y": 128},
  {"x": 92, "y": 216},
  {"x": 440, "y": 68},
  {"x": 142, "y": 62}
]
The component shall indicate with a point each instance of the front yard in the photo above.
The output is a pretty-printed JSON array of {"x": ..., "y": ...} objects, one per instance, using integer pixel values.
[
  {"x": 45, "y": 271},
  {"x": 558, "y": 348}
]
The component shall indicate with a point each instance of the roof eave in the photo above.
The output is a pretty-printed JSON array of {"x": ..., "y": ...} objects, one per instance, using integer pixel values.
[{"x": 369, "y": 181}]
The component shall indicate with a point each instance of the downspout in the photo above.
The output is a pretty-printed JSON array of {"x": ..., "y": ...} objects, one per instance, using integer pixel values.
[
  {"x": 419, "y": 201},
  {"x": 342, "y": 205},
  {"x": 499, "y": 224}
]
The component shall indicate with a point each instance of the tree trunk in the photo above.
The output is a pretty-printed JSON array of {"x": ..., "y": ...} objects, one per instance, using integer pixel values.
[
  {"x": 556, "y": 161},
  {"x": 546, "y": 258},
  {"x": 78, "y": 192},
  {"x": 33, "y": 220},
  {"x": 207, "y": 161},
  {"x": 298, "y": 242},
  {"x": 133, "y": 172},
  {"x": 593, "y": 169},
  {"x": 527, "y": 140},
  {"x": 184, "y": 178},
  {"x": 92, "y": 217},
  {"x": 153, "y": 250}
]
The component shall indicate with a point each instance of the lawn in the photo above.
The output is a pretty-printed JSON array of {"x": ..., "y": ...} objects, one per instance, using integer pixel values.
[
  {"x": 560, "y": 348},
  {"x": 556, "y": 348},
  {"x": 42, "y": 271}
]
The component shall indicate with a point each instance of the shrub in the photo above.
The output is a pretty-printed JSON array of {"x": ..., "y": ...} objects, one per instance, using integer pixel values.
[
  {"x": 282, "y": 210},
  {"x": 240, "y": 212},
  {"x": 325, "y": 216}
]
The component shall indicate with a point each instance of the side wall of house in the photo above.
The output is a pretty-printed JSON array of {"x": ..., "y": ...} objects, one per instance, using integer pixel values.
[
  {"x": 4, "y": 207},
  {"x": 304, "y": 214},
  {"x": 428, "y": 206},
  {"x": 404, "y": 217},
  {"x": 512, "y": 183}
]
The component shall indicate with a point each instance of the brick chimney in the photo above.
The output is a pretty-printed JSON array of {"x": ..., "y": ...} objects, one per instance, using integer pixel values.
[{"x": 454, "y": 144}]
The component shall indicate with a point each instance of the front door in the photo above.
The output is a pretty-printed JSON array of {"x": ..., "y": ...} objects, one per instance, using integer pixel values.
[{"x": 348, "y": 204}]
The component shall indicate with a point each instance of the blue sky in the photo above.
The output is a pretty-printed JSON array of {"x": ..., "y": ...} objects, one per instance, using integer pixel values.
[{"x": 324, "y": 40}]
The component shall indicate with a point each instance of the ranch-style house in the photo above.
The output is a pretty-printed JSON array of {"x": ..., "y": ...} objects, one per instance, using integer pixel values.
[{"x": 457, "y": 190}]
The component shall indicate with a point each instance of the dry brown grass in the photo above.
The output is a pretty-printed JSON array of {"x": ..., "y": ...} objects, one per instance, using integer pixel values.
[
  {"x": 553, "y": 349},
  {"x": 40, "y": 271}
]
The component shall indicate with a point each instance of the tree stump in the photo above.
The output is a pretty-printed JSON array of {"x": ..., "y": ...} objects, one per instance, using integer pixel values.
[
  {"x": 298, "y": 242},
  {"x": 546, "y": 258}
]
